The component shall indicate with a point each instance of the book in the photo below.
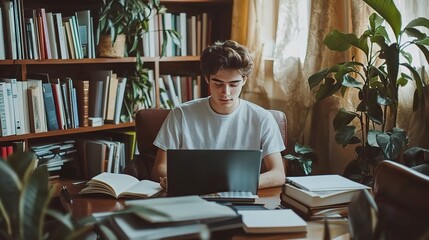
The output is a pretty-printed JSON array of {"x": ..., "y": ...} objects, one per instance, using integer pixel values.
[
  {"x": 82, "y": 95},
  {"x": 311, "y": 213},
  {"x": 50, "y": 111},
  {"x": 121, "y": 186},
  {"x": 329, "y": 182},
  {"x": 2, "y": 45},
  {"x": 272, "y": 221},
  {"x": 176, "y": 209},
  {"x": 318, "y": 198},
  {"x": 131, "y": 227},
  {"x": 119, "y": 99},
  {"x": 9, "y": 30}
]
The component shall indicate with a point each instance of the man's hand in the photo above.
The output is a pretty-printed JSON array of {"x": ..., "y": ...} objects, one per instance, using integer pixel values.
[{"x": 163, "y": 183}]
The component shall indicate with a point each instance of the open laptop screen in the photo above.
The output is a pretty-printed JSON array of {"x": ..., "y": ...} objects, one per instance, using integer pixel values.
[{"x": 199, "y": 172}]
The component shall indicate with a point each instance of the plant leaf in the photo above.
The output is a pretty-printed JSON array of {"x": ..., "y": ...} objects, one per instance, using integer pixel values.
[
  {"x": 9, "y": 198},
  {"x": 417, "y": 79},
  {"x": 349, "y": 81},
  {"x": 343, "y": 118},
  {"x": 418, "y": 22},
  {"x": 343, "y": 135},
  {"x": 392, "y": 144},
  {"x": 33, "y": 203},
  {"x": 302, "y": 150},
  {"x": 338, "y": 41},
  {"x": 388, "y": 10},
  {"x": 23, "y": 164}
]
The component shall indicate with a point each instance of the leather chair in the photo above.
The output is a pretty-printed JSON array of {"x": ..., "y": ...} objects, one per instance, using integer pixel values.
[
  {"x": 147, "y": 124},
  {"x": 402, "y": 197}
]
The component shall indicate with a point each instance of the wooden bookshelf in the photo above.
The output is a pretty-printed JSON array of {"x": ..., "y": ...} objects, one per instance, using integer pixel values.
[{"x": 219, "y": 11}]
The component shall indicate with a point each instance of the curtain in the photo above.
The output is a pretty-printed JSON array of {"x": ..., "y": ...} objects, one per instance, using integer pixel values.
[{"x": 281, "y": 73}]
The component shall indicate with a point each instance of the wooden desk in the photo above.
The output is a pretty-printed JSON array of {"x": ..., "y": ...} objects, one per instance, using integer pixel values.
[{"x": 84, "y": 205}]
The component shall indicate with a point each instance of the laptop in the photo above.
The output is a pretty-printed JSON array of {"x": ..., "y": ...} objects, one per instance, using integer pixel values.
[{"x": 221, "y": 175}]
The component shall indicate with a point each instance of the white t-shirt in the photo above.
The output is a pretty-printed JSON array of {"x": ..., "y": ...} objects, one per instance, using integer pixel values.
[{"x": 194, "y": 125}]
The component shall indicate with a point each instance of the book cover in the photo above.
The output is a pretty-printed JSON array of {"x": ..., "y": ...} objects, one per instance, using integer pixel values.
[
  {"x": 14, "y": 105},
  {"x": 51, "y": 114},
  {"x": 94, "y": 157},
  {"x": 2, "y": 45},
  {"x": 272, "y": 221},
  {"x": 308, "y": 212},
  {"x": 59, "y": 105},
  {"x": 59, "y": 36},
  {"x": 3, "y": 125},
  {"x": 120, "y": 99},
  {"x": 321, "y": 198},
  {"x": 51, "y": 35},
  {"x": 121, "y": 186},
  {"x": 111, "y": 98},
  {"x": 9, "y": 29},
  {"x": 35, "y": 110},
  {"x": 23, "y": 111},
  {"x": 328, "y": 182},
  {"x": 83, "y": 19},
  {"x": 95, "y": 98},
  {"x": 82, "y": 93},
  {"x": 184, "y": 208},
  {"x": 105, "y": 77},
  {"x": 43, "y": 33}
]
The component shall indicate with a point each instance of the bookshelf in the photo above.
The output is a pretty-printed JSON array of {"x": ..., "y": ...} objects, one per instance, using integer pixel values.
[{"x": 219, "y": 14}]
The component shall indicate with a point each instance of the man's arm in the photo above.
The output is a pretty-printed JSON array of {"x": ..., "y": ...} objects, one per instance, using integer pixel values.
[
  {"x": 159, "y": 169},
  {"x": 275, "y": 174}
]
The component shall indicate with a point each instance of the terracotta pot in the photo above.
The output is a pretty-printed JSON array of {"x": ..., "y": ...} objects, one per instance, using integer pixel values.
[{"x": 106, "y": 49}]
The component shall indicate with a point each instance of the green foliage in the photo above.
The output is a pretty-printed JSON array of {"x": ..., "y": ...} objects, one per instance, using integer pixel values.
[
  {"x": 301, "y": 161},
  {"x": 376, "y": 80},
  {"x": 24, "y": 202}
]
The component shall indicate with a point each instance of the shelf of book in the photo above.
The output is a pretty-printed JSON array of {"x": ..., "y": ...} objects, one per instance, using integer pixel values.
[{"x": 181, "y": 66}]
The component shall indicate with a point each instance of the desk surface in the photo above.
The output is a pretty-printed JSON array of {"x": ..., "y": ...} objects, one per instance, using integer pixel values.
[{"x": 84, "y": 205}]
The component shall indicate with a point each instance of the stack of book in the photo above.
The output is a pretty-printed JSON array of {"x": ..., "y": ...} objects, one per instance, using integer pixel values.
[{"x": 319, "y": 196}]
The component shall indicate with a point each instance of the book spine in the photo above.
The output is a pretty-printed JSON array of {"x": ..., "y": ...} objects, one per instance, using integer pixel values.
[{"x": 51, "y": 115}]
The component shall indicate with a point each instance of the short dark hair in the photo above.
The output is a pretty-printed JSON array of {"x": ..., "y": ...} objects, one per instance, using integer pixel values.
[{"x": 228, "y": 55}]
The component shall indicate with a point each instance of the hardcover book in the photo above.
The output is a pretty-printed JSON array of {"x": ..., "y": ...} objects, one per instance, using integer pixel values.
[
  {"x": 309, "y": 213},
  {"x": 321, "y": 190},
  {"x": 272, "y": 221}
]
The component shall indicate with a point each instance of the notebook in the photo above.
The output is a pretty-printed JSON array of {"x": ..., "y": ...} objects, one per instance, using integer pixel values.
[{"x": 221, "y": 175}]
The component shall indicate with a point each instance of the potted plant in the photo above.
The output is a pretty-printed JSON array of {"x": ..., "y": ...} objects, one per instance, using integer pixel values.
[
  {"x": 122, "y": 24},
  {"x": 376, "y": 81},
  {"x": 24, "y": 202}
]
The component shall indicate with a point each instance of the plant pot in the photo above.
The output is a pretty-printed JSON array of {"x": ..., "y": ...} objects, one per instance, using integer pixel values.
[{"x": 105, "y": 47}]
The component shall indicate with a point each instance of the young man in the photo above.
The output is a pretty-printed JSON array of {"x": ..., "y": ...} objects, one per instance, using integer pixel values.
[{"x": 223, "y": 120}]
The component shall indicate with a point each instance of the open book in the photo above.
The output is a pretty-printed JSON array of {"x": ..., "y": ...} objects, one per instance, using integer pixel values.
[{"x": 122, "y": 186}]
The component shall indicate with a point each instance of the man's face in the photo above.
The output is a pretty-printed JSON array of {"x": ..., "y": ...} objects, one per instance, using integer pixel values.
[{"x": 225, "y": 88}]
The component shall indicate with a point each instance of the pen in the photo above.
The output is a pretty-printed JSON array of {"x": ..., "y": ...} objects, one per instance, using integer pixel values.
[{"x": 66, "y": 194}]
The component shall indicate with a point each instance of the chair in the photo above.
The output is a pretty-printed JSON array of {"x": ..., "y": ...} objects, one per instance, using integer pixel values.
[
  {"x": 149, "y": 121},
  {"x": 402, "y": 197}
]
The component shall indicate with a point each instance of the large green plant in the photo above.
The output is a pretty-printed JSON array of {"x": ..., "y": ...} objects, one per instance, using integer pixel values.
[
  {"x": 376, "y": 80},
  {"x": 24, "y": 202}
]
